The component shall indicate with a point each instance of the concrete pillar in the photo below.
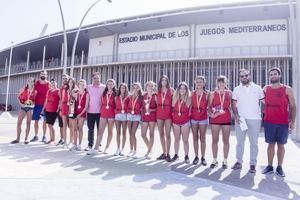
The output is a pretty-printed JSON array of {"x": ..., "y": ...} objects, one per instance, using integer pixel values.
[{"x": 28, "y": 60}]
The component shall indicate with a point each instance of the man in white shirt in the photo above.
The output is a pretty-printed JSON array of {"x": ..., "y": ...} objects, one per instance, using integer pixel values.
[{"x": 246, "y": 108}]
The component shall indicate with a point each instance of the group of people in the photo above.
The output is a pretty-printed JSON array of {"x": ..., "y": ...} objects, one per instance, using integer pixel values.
[{"x": 159, "y": 105}]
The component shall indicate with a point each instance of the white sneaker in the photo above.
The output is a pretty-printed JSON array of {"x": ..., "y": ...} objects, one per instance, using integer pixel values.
[
  {"x": 148, "y": 156},
  {"x": 88, "y": 148},
  {"x": 134, "y": 155},
  {"x": 117, "y": 152},
  {"x": 130, "y": 153},
  {"x": 65, "y": 146},
  {"x": 92, "y": 152},
  {"x": 105, "y": 151},
  {"x": 78, "y": 148},
  {"x": 121, "y": 153},
  {"x": 73, "y": 147}
]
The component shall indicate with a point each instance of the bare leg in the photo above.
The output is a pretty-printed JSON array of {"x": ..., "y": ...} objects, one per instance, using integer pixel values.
[
  {"x": 195, "y": 139},
  {"x": 21, "y": 116},
  {"x": 225, "y": 137}
]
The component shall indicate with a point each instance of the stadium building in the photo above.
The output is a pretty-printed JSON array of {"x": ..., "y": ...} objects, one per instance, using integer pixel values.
[{"x": 209, "y": 41}]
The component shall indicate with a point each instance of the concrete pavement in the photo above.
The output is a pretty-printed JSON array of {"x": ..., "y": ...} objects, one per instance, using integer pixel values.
[{"x": 39, "y": 171}]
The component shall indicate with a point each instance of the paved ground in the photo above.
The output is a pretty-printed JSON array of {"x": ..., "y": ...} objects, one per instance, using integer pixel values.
[{"x": 38, "y": 171}]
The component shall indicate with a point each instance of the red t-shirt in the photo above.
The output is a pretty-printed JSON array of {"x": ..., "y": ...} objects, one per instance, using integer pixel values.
[
  {"x": 276, "y": 105},
  {"x": 225, "y": 118},
  {"x": 42, "y": 90},
  {"x": 65, "y": 97},
  {"x": 164, "y": 107},
  {"x": 80, "y": 103},
  {"x": 52, "y": 100},
  {"x": 108, "y": 106},
  {"x": 199, "y": 106},
  {"x": 26, "y": 95},
  {"x": 119, "y": 107},
  {"x": 180, "y": 115},
  {"x": 152, "y": 105},
  {"x": 135, "y": 104}
]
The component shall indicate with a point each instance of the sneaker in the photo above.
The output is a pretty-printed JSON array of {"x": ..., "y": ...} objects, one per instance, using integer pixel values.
[
  {"x": 130, "y": 153},
  {"x": 78, "y": 148},
  {"x": 60, "y": 141},
  {"x": 14, "y": 142},
  {"x": 214, "y": 164},
  {"x": 104, "y": 152},
  {"x": 203, "y": 161},
  {"x": 196, "y": 160},
  {"x": 48, "y": 142},
  {"x": 121, "y": 153},
  {"x": 252, "y": 169},
  {"x": 279, "y": 172},
  {"x": 175, "y": 158},
  {"x": 117, "y": 152},
  {"x": 237, "y": 165},
  {"x": 268, "y": 170},
  {"x": 34, "y": 139},
  {"x": 224, "y": 165},
  {"x": 134, "y": 155},
  {"x": 186, "y": 159},
  {"x": 72, "y": 147},
  {"x": 44, "y": 139},
  {"x": 26, "y": 142},
  {"x": 168, "y": 158},
  {"x": 88, "y": 148},
  {"x": 92, "y": 152},
  {"x": 161, "y": 157},
  {"x": 148, "y": 156}
]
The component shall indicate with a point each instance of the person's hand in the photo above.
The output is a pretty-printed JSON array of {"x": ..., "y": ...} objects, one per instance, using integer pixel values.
[
  {"x": 291, "y": 126},
  {"x": 237, "y": 119},
  {"x": 60, "y": 113}
]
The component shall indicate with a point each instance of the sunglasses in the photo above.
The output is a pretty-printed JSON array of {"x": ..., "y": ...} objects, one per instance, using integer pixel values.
[{"x": 246, "y": 75}]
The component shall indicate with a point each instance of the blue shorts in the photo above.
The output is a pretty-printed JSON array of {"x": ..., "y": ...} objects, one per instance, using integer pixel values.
[
  {"x": 121, "y": 117},
  {"x": 133, "y": 118},
  {"x": 276, "y": 133},
  {"x": 199, "y": 122},
  {"x": 37, "y": 112}
]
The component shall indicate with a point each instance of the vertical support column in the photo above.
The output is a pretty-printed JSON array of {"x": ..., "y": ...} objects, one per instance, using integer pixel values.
[
  {"x": 192, "y": 40},
  {"x": 81, "y": 64},
  {"x": 28, "y": 60},
  {"x": 62, "y": 55},
  {"x": 6, "y": 65},
  {"x": 115, "y": 48},
  {"x": 44, "y": 57},
  {"x": 296, "y": 86}
]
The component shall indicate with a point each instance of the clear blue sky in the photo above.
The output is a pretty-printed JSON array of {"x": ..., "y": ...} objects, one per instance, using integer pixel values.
[{"x": 23, "y": 20}]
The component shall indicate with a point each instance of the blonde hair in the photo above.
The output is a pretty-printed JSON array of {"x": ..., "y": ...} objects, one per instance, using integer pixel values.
[
  {"x": 186, "y": 98},
  {"x": 150, "y": 83},
  {"x": 221, "y": 79}
]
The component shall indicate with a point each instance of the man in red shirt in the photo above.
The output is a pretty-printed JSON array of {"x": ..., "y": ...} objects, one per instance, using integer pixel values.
[
  {"x": 41, "y": 86},
  {"x": 279, "y": 119}
]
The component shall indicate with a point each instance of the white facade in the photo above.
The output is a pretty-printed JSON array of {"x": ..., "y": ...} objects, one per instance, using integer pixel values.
[
  {"x": 101, "y": 49},
  {"x": 267, "y": 37}
]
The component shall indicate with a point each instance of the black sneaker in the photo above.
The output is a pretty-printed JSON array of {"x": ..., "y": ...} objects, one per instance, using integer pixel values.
[
  {"x": 175, "y": 158},
  {"x": 268, "y": 170},
  {"x": 168, "y": 158},
  {"x": 279, "y": 172},
  {"x": 224, "y": 165},
  {"x": 44, "y": 139},
  {"x": 161, "y": 157},
  {"x": 35, "y": 138},
  {"x": 214, "y": 165},
  {"x": 196, "y": 160},
  {"x": 252, "y": 169},
  {"x": 203, "y": 161},
  {"x": 236, "y": 166},
  {"x": 26, "y": 142},
  {"x": 14, "y": 142},
  {"x": 186, "y": 159}
]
